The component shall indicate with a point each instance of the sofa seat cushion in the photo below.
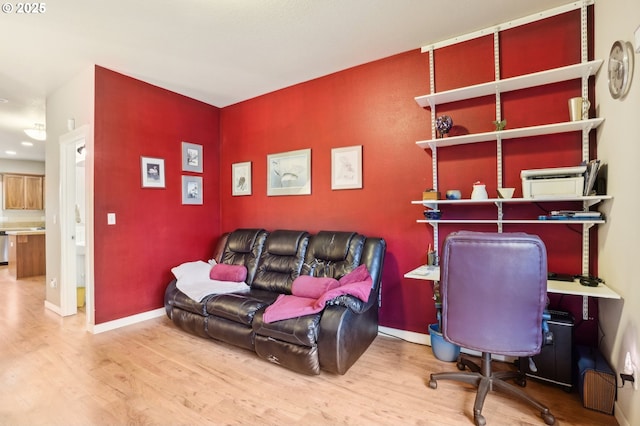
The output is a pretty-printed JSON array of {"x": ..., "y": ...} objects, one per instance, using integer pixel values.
[
  {"x": 300, "y": 330},
  {"x": 239, "y": 307}
]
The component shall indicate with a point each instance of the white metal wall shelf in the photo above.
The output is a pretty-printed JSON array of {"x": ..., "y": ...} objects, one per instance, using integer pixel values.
[
  {"x": 583, "y": 70},
  {"x": 590, "y": 200},
  {"x": 432, "y": 273},
  {"x": 514, "y": 221},
  {"x": 522, "y": 132},
  {"x": 541, "y": 78}
]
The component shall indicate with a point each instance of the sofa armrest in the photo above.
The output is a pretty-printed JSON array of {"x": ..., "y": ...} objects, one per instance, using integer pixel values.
[
  {"x": 344, "y": 335},
  {"x": 350, "y": 302}
]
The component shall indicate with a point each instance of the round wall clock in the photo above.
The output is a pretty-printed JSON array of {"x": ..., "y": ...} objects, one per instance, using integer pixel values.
[{"x": 620, "y": 69}]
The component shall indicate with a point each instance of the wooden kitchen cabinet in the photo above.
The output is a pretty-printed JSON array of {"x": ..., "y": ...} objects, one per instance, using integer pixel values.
[
  {"x": 26, "y": 254},
  {"x": 23, "y": 192}
]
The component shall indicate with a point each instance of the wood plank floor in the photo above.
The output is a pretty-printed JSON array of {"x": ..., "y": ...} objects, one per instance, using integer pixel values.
[{"x": 52, "y": 372}]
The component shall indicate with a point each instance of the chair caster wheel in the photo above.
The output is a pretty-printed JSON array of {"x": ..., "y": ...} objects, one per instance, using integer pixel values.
[
  {"x": 433, "y": 384},
  {"x": 460, "y": 365},
  {"x": 548, "y": 418},
  {"x": 479, "y": 420},
  {"x": 521, "y": 381}
]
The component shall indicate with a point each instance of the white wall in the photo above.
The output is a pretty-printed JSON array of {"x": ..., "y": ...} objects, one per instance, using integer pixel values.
[
  {"x": 74, "y": 100},
  {"x": 619, "y": 239}
]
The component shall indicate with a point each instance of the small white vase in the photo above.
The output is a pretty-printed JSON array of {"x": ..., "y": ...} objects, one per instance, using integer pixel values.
[{"x": 479, "y": 191}]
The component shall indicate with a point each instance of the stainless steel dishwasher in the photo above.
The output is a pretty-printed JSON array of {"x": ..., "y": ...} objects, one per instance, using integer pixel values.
[{"x": 4, "y": 248}]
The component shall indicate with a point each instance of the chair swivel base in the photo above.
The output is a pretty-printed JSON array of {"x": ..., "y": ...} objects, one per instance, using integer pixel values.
[{"x": 485, "y": 380}]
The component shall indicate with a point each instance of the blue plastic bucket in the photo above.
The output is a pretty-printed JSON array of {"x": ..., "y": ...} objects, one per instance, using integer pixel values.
[{"x": 443, "y": 350}]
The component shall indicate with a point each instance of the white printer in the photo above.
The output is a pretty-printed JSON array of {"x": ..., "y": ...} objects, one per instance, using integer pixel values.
[{"x": 554, "y": 182}]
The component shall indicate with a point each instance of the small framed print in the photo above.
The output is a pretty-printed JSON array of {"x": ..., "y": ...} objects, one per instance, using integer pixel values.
[
  {"x": 152, "y": 170},
  {"x": 289, "y": 173},
  {"x": 346, "y": 167},
  {"x": 241, "y": 178},
  {"x": 191, "y": 190},
  {"x": 191, "y": 157}
]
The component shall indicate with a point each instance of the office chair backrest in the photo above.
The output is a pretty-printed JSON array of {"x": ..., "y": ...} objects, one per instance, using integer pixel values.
[{"x": 494, "y": 289}]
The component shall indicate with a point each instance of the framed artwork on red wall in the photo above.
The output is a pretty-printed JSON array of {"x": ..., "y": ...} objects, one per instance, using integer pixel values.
[
  {"x": 241, "y": 178},
  {"x": 152, "y": 170},
  {"x": 346, "y": 167},
  {"x": 191, "y": 157},
  {"x": 192, "y": 190},
  {"x": 289, "y": 173}
]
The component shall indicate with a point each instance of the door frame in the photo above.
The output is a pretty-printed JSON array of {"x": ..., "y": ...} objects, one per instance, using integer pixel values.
[{"x": 68, "y": 293}]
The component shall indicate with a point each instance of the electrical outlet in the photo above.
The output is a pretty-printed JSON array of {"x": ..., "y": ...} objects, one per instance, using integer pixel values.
[
  {"x": 629, "y": 378},
  {"x": 630, "y": 373},
  {"x": 53, "y": 283}
]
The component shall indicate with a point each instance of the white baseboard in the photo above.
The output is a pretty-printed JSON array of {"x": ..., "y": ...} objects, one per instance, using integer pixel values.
[
  {"x": 54, "y": 308},
  {"x": 619, "y": 415},
  {"x": 409, "y": 336},
  {"x": 123, "y": 322},
  {"x": 425, "y": 339}
]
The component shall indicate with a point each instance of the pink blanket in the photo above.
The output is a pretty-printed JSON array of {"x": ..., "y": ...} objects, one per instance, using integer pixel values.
[{"x": 292, "y": 306}]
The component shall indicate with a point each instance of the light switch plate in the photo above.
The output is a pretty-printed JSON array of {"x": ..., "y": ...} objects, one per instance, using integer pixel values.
[{"x": 111, "y": 218}]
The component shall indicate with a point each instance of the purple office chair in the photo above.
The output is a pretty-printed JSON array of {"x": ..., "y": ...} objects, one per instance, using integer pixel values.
[{"x": 494, "y": 292}]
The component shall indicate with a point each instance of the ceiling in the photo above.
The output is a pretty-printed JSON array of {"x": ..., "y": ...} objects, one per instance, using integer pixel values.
[{"x": 218, "y": 51}]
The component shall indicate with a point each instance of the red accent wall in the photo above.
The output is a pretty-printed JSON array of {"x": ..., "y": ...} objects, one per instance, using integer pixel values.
[
  {"x": 373, "y": 105},
  {"x": 370, "y": 105},
  {"x": 153, "y": 230}
]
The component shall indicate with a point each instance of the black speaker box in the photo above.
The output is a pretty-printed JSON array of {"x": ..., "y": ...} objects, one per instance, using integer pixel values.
[{"x": 554, "y": 362}]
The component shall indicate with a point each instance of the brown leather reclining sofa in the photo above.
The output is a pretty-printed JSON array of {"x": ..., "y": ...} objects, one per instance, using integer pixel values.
[{"x": 331, "y": 340}]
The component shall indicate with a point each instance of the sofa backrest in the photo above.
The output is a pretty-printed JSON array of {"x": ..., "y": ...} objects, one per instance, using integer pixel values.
[
  {"x": 274, "y": 260},
  {"x": 244, "y": 247},
  {"x": 333, "y": 254},
  {"x": 281, "y": 261},
  {"x": 218, "y": 249}
]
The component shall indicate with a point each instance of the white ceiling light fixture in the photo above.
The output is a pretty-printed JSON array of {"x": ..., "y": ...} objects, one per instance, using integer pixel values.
[
  {"x": 25, "y": 143},
  {"x": 38, "y": 133}
]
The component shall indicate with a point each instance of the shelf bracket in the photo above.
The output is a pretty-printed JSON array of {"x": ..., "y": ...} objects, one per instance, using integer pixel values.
[
  {"x": 429, "y": 205},
  {"x": 588, "y": 128}
]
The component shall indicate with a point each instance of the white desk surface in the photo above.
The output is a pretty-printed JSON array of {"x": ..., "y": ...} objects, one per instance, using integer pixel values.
[{"x": 432, "y": 273}]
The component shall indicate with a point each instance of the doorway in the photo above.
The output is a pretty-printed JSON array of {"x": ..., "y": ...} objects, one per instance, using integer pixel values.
[{"x": 76, "y": 224}]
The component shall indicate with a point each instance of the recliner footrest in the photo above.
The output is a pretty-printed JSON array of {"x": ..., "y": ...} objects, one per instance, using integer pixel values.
[{"x": 302, "y": 359}]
